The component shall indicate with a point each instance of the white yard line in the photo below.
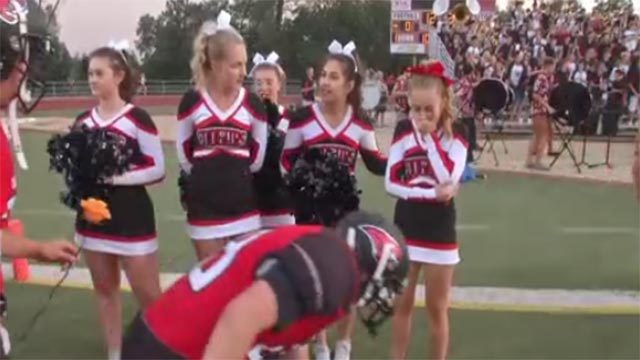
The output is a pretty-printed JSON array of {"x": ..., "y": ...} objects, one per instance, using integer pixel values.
[
  {"x": 599, "y": 230},
  {"x": 477, "y": 298},
  {"x": 566, "y": 230}
]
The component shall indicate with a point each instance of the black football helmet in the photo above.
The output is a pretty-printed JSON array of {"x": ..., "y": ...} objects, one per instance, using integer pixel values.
[
  {"x": 19, "y": 44},
  {"x": 383, "y": 262}
]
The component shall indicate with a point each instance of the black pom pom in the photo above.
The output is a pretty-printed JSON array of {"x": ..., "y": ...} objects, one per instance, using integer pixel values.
[
  {"x": 183, "y": 183},
  {"x": 273, "y": 113},
  {"x": 87, "y": 158},
  {"x": 323, "y": 189}
]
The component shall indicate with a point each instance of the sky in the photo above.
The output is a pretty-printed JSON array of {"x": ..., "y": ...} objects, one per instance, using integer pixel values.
[{"x": 88, "y": 24}]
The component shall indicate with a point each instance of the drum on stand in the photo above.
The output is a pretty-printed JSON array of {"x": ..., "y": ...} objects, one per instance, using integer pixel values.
[
  {"x": 572, "y": 102},
  {"x": 492, "y": 95}
]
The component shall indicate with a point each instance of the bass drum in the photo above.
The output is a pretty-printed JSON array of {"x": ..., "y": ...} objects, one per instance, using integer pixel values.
[
  {"x": 572, "y": 102},
  {"x": 492, "y": 95}
]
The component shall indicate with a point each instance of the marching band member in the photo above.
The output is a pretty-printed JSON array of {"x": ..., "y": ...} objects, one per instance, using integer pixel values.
[
  {"x": 271, "y": 195},
  {"x": 221, "y": 140},
  {"x": 539, "y": 144},
  {"x": 426, "y": 162},
  {"x": 129, "y": 237}
]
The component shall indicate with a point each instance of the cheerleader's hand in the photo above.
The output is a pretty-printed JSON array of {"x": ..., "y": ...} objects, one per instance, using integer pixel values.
[{"x": 446, "y": 192}]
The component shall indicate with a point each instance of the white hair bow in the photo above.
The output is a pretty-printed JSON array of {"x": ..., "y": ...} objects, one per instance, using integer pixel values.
[
  {"x": 122, "y": 45},
  {"x": 259, "y": 59},
  {"x": 336, "y": 48},
  {"x": 223, "y": 22},
  {"x": 272, "y": 58}
]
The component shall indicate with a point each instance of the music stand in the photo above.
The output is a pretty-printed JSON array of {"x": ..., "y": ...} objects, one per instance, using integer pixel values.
[
  {"x": 572, "y": 102},
  {"x": 491, "y": 97}
]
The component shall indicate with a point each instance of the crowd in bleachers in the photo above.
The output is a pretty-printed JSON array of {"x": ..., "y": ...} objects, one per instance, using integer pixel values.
[{"x": 598, "y": 50}]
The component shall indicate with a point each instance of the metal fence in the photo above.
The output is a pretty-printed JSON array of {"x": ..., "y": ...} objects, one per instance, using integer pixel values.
[{"x": 153, "y": 87}]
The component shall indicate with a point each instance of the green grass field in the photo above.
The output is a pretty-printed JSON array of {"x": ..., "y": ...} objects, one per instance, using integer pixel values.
[{"x": 515, "y": 231}]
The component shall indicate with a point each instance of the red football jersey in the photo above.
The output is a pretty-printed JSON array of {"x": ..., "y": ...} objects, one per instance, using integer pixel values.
[
  {"x": 185, "y": 316},
  {"x": 7, "y": 179}
]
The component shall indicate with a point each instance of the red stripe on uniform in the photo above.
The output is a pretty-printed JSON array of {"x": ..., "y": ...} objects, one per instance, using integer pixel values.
[{"x": 432, "y": 245}]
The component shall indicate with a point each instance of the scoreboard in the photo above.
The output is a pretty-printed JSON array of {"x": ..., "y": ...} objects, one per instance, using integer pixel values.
[{"x": 411, "y": 21}]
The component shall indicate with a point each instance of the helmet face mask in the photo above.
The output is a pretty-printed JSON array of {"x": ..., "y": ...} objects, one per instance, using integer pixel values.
[
  {"x": 383, "y": 263},
  {"x": 377, "y": 303},
  {"x": 18, "y": 45}
]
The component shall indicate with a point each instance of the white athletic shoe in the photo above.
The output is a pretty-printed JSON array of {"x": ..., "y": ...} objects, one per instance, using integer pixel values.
[
  {"x": 5, "y": 343},
  {"x": 321, "y": 352},
  {"x": 342, "y": 350}
]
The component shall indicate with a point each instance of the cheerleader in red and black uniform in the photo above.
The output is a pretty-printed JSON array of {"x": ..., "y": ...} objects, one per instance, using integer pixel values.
[
  {"x": 271, "y": 194},
  {"x": 335, "y": 125},
  {"x": 129, "y": 237},
  {"x": 221, "y": 140},
  {"x": 426, "y": 161}
]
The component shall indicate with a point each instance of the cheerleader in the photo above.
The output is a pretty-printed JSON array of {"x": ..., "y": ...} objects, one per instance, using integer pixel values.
[
  {"x": 271, "y": 195},
  {"x": 129, "y": 237},
  {"x": 426, "y": 161},
  {"x": 221, "y": 140},
  {"x": 335, "y": 124}
]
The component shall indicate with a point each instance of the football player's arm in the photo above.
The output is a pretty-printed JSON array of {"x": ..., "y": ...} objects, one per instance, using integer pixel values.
[
  {"x": 270, "y": 302},
  {"x": 52, "y": 251},
  {"x": 250, "y": 313}
]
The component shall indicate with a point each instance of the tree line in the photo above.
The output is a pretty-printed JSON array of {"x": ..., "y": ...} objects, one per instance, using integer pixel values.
[{"x": 298, "y": 30}]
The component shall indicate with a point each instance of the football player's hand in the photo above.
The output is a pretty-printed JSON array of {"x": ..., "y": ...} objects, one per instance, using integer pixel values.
[{"x": 60, "y": 251}]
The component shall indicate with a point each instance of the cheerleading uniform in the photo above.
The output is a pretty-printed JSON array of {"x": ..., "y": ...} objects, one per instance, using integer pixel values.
[
  {"x": 417, "y": 164},
  {"x": 308, "y": 129},
  {"x": 272, "y": 196},
  {"x": 220, "y": 150},
  {"x": 132, "y": 229}
]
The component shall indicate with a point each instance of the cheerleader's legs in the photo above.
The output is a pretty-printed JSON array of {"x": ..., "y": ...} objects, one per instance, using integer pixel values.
[
  {"x": 206, "y": 248},
  {"x": 438, "y": 280},
  {"x": 143, "y": 273},
  {"x": 105, "y": 274},
  {"x": 402, "y": 315}
]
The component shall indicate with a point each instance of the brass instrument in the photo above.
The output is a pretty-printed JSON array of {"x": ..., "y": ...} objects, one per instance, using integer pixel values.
[{"x": 461, "y": 12}]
